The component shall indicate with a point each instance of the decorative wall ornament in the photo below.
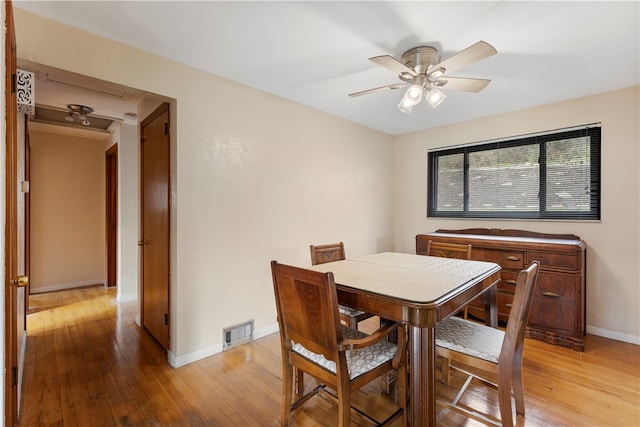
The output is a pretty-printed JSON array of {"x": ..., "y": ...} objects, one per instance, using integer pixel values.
[{"x": 26, "y": 92}]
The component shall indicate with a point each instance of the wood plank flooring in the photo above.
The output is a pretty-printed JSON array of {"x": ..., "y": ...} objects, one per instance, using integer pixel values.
[{"x": 88, "y": 364}]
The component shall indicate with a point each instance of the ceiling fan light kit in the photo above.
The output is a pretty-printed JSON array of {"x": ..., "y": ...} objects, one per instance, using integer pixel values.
[
  {"x": 411, "y": 97},
  {"x": 405, "y": 106},
  {"x": 435, "y": 97},
  {"x": 421, "y": 69}
]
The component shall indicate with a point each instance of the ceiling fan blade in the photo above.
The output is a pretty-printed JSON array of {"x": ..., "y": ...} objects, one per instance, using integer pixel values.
[
  {"x": 379, "y": 89},
  {"x": 390, "y": 63},
  {"x": 462, "y": 83},
  {"x": 468, "y": 56}
]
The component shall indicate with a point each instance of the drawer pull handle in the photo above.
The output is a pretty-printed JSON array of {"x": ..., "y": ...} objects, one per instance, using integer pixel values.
[
  {"x": 511, "y": 282},
  {"x": 512, "y": 258},
  {"x": 508, "y": 305},
  {"x": 551, "y": 294}
]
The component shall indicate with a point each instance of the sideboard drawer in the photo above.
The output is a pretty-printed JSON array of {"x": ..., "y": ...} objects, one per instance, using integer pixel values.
[
  {"x": 567, "y": 261},
  {"x": 505, "y": 300},
  {"x": 504, "y": 304},
  {"x": 559, "y": 288},
  {"x": 508, "y": 281},
  {"x": 505, "y": 258}
]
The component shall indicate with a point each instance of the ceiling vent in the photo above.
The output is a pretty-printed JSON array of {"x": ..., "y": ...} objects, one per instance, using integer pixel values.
[{"x": 57, "y": 116}]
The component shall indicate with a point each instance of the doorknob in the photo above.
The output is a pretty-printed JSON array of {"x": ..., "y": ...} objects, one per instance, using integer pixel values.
[
  {"x": 20, "y": 281},
  {"x": 143, "y": 242}
]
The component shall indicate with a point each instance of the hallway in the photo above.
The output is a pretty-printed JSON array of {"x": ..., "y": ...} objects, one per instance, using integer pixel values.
[{"x": 89, "y": 364}]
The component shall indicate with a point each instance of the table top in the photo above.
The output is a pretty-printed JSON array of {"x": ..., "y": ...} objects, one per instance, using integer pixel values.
[{"x": 415, "y": 278}]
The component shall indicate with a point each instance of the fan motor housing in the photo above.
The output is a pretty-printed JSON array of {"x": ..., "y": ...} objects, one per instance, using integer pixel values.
[{"x": 420, "y": 58}]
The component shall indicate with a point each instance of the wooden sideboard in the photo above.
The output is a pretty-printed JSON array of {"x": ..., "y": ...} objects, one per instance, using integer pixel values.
[{"x": 558, "y": 309}]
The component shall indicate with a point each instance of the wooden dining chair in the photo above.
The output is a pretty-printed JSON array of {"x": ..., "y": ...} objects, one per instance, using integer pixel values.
[
  {"x": 314, "y": 341},
  {"x": 321, "y": 254},
  {"x": 483, "y": 349},
  {"x": 450, "y": 250}
]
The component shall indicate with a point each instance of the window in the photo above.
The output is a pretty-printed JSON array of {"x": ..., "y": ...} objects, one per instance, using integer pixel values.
[{"x": 554, "y": 175}]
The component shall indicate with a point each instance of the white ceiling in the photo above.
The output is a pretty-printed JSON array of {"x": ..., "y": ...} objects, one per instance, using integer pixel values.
[{"x": 316, "y": 53}]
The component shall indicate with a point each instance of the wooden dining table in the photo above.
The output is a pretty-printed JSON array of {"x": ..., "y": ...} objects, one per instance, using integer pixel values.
[{"x": 419, "y": 291}]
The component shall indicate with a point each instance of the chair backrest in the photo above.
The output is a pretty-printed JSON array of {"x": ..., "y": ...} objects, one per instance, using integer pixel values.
[
  {"x": 519, "y": 315},
  {"x": 449, "y": 250},
  {"x": 327, "y": 253},
  {"x": 307, "y": 305}
]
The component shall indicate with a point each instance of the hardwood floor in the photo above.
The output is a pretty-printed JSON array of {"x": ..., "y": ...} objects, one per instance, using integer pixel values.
[{"x": 88, "y": 364}]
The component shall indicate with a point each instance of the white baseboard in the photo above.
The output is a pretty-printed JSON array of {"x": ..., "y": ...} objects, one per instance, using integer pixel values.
[
  {"x": 266, "y": 331},
  {"x": 127, "y": 298},
  {"x": 72, "y": 285},
  {"x": 178, "y": 361},
  {"x": 614, "y": 335}
]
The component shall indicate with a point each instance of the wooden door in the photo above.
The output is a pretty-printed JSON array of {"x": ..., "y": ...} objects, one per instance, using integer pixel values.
[
  {"x": 111, "y": 215},
  {"x": 155, "y": 158},
  {"x": 15, "y": 278}
]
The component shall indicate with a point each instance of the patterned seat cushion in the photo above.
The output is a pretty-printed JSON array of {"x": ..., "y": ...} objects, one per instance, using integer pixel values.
[
  {"x": 351, "y": 312},
  {"x": 360, "y": 360},
  {"x": 470, "y": 338}
]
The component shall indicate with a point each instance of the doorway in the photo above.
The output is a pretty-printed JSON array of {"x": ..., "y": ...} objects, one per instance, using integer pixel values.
[{"x": 111, "y": 214}]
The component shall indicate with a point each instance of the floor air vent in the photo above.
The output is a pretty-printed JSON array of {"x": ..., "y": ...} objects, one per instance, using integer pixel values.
[{"x": 237, "y": 334}]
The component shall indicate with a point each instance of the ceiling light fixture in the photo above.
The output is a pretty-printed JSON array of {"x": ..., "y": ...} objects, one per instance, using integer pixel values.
[
  {"x": 81, "y": 110},
  {"x": 413, "y": 95},
  {"x": 423, "y": 71},
  {"x": 434, "y": 97},
  {"x": 420, "y": 85}
]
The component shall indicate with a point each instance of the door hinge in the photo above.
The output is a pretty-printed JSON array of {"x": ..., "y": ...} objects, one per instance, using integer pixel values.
[
  {"x": 166, "y": 319},
  {"x": 14, "y": 375},
  {"x": 166, "y": 128},
  {"x": 14, "y": 83}
]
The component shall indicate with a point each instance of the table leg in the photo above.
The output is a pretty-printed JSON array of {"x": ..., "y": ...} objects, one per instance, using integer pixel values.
[
  {"x": 491, "y": 306},
  {"x": 422, "y": 396}
]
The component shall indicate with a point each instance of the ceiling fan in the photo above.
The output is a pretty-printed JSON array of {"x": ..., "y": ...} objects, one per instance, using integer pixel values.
[{"x": 420, "y": 69}]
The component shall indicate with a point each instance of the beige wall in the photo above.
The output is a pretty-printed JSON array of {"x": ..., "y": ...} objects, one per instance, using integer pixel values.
[
  {"x": 254, "y": 178},
  {"x": 67, "y": 211},
  {"x": 613, "y": 254}
]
